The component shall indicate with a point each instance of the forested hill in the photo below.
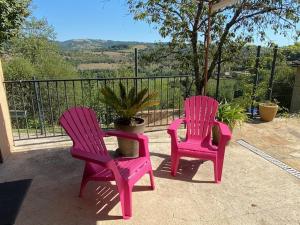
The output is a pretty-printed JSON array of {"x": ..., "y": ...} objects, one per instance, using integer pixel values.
[{"x": 98, "y": 44}]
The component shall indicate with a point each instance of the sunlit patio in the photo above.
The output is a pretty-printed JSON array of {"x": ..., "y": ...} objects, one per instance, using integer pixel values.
[
  {"x": 68, "y": 108},
  {"x": 253, "y": 190}
]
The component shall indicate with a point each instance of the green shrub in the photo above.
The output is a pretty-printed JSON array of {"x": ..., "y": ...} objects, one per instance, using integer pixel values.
[
  {"x": 18, "y": 68},
  {"x": 231, "y": 114}
]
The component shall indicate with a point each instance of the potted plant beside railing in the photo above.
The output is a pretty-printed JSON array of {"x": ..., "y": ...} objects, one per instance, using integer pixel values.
[
  {"x": 231, "y": 114},
  {"x": 268, "y": 110},
  {"x": 126, "y": 106}
]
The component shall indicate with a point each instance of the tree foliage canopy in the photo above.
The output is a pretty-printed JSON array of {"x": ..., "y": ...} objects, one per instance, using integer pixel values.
[
  {"x": 12, "y": 16},
  {"x": 35, "y": 53},
  {"x": 185, "y": 22}
]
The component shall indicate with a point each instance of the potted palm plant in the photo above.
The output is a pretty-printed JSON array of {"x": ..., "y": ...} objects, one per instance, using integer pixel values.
[
  {"x": 126, "y": 106},
  {"x": 230, "y": 114}
]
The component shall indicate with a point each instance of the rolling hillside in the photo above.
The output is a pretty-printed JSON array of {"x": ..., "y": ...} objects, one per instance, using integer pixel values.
[{"x": 98, "y": 45}]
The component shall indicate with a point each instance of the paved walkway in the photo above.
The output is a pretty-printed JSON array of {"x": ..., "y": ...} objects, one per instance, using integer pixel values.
[
  {"x": 253, "y": 191},
  {"x": 279, "y": 138}
]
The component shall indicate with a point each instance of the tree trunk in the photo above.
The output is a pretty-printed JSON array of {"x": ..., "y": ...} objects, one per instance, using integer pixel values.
[
  {"x": 220, "y": 46},
  {"x": 194, "y": 41},
  {"x": 196, "y": 63}
]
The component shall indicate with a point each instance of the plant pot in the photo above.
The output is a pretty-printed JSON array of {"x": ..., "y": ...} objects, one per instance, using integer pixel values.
[
  {"x": 216, "y": 135},
  {"x": 267, "y": 111},
  {"x": 127, "y": 147}
]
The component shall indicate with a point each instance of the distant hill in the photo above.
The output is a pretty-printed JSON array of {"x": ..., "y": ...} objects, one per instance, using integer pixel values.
[{"x": 98, "y": 44}]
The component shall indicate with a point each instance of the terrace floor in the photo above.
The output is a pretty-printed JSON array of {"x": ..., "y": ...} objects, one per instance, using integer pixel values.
[
  {"x": 253, "y": 190},
  {"x": 280, "y": 138}
]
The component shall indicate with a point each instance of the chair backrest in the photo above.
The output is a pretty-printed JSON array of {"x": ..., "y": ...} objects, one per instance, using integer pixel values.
[
  {"x": 82, "y": 126},
  {"x": 200, "y": 113}
]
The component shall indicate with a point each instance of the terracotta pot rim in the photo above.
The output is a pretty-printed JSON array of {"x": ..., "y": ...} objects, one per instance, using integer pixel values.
[
  {"x": 141, "y": 123},
  {"x": 268, "y": 105}
]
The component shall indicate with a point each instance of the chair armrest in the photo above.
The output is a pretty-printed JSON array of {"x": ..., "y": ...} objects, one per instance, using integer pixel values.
[
  {"x": 141, "y": 138},
  {"x": 105, "y": 161},
  {"x": 224, "y": 130},
  {"x": 173, "y": 127},
  {"x": 91, "y": 157},
  {"x": 172, "y": 131}
]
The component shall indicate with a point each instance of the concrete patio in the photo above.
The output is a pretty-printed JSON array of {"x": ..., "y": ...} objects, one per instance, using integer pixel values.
[
  {"x": 280, "y": 138},
  {"x": 253, "y": 191}
]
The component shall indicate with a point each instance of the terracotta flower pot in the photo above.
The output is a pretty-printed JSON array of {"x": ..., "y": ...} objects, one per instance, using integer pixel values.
[
  {"x": 129, "y": 148},
  {"x": 267, "y": 111},
  {"x": 216, "y": 135}
]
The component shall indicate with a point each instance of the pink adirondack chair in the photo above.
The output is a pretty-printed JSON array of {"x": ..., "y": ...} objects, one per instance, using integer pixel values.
[
  {"x": 82, "y": 126},
  {"x": 200, "y": 112}
]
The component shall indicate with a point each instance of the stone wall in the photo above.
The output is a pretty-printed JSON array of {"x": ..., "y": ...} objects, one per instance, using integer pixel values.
[
  {"x": 6, "y": 138},
  {"x": 295, "y": 106}
]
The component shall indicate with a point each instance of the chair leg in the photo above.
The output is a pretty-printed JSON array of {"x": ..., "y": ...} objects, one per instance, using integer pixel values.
[
  {"x": 84, "y": 180},
  {"x": 216, "y": 172},
  {"x": 83, "y": 184},
  {"x": 151, "y": 179},
  {"x": 174, "y": 164},
  {"x": 220, "y": 169},
  {"x": 126, "y": 201}
]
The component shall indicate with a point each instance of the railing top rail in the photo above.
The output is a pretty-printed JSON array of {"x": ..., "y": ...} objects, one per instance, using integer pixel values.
[{"x": 95, "y": 79}]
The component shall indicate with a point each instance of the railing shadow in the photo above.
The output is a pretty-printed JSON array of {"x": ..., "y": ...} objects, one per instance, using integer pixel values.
[
  {"x": 108, "y": 198},
  {"x": 186, "y": 169}
]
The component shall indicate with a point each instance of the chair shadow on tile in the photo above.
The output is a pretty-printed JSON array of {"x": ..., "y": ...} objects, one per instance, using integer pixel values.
[
  {"x": 187, "y": 169},
  {"x": 107, "y": 197}
]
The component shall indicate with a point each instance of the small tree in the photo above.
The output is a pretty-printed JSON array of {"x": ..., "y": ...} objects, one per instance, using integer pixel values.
[
  {"x": 185, "y": 21},
  {"x": 36, "y": 45}
]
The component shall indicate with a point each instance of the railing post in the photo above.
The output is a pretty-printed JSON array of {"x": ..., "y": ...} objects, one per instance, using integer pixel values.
[
  {"x": 255, "y": 79},
  {"x": 38, "y": 102},
  {"x": 135, "y": 69},
  {"x": 270, "y": 87},
  {"x": 6, "y": 136},
  {"x": 219, "y": 73}
]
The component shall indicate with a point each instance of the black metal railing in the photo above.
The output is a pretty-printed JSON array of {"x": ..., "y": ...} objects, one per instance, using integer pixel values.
[{"x": 36, "y": 105}]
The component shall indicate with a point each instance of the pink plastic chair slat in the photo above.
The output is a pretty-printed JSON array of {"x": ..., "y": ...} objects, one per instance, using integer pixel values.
[
  {"x": 97, "y": 127},
  {"x": 212, "y": 110},
  {"x": 200, "y": 112},
  {"x": 72, "y": 131},
  {"x": 198, "y": 119},
  {"x": 187, "y": 116},
  {"x": 88, "y": 144},
  {"x": 85, "y": 130},
  {"x": 203, "y": 110},
  {"x": 90, "y": 134},
  {"x": 130, "y": 168},
  {"x": 208, "y": 105},
  {"x": 95, "y": 130}
]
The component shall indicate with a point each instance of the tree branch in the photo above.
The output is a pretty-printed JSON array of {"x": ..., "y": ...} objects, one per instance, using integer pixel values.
[
  {"x": 197, "y": 17},
  {"x": 223, "y": 39},
  {"x": 255, "y": 14}
]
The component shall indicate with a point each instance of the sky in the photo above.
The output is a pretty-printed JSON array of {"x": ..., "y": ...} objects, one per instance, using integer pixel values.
[{"x": 106, "y": 20}]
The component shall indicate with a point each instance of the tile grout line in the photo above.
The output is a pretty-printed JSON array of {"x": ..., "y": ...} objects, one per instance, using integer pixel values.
[{"x": 269, "y": 158}]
